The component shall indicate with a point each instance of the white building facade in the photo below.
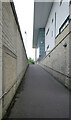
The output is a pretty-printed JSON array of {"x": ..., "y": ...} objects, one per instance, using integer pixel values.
[{"x": 57, "y": 21}]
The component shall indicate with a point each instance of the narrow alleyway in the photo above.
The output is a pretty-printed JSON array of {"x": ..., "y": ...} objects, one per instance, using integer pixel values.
[{"x": 40, "y": 96}]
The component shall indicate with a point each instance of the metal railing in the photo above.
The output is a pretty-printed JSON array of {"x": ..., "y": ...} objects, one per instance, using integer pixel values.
[{"x": 20, "y": 75}]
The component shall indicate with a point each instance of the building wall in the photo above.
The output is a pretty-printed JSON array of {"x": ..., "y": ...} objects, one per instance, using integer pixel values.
[
  {"x": 70, "y": 50},
  {"x": 54, "y": 23},
  {"x": 0, "y": 59},
  {"x": 14, "y": 59},
  {"x": 41, "y": 41},
  {"x": 70, "y": 57},
  {"x": 57, "y": 61},
  {"x": 21, "y": 56}
]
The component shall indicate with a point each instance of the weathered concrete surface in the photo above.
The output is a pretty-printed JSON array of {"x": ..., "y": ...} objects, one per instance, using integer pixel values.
[
  {"x": 40, "y": 96},
  {"x": 13, "y": 58},
  {"x": 0, "y": 59}
]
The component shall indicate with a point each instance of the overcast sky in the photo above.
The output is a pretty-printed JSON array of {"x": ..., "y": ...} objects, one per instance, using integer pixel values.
[{"x": 25, "y": 10}]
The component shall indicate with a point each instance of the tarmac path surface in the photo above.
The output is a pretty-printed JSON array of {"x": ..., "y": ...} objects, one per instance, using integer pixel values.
[{"x": 40, "y": 95}]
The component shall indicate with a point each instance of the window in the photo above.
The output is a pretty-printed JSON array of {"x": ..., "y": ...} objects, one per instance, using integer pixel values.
[
  {"x": 61, "y": 2},
  {"x": 70, "y": 2},
  {"x": 47, "y": 31},
  {"x": 52, "y": 20},
  {"x": 66, "y": 22},
  {"x": 47, "y": 46}
]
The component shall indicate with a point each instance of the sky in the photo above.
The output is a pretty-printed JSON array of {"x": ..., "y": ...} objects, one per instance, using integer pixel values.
[{"x": 25, "y": 13}]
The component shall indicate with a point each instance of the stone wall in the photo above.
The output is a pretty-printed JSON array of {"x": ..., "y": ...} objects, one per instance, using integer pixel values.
[
  {"x": 14, "y": 60},
  {"x": 57, "y": 61}
]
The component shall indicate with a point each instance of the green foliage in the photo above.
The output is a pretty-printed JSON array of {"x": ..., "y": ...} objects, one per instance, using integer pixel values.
[{"x": 31, "y": 61}]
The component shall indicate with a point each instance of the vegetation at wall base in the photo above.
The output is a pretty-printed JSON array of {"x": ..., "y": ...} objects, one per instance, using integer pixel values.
[{"x": 31, "y": 61}]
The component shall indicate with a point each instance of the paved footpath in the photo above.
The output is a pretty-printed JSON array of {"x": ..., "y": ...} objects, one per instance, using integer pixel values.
[{"x": 40, "y": 96}]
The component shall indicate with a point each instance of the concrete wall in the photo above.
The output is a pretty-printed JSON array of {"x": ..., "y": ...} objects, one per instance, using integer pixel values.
[
  {"x": 70, "y": 48},
  {"x": 57, "y": 61},
  {"x": 0, "y": 58},
  {"x": 56, "y": 24},
  {"x": 13, "y": 54}
]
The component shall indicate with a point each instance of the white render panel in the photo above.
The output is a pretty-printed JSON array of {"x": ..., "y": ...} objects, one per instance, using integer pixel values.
[{"x": 62, "y": 13}]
